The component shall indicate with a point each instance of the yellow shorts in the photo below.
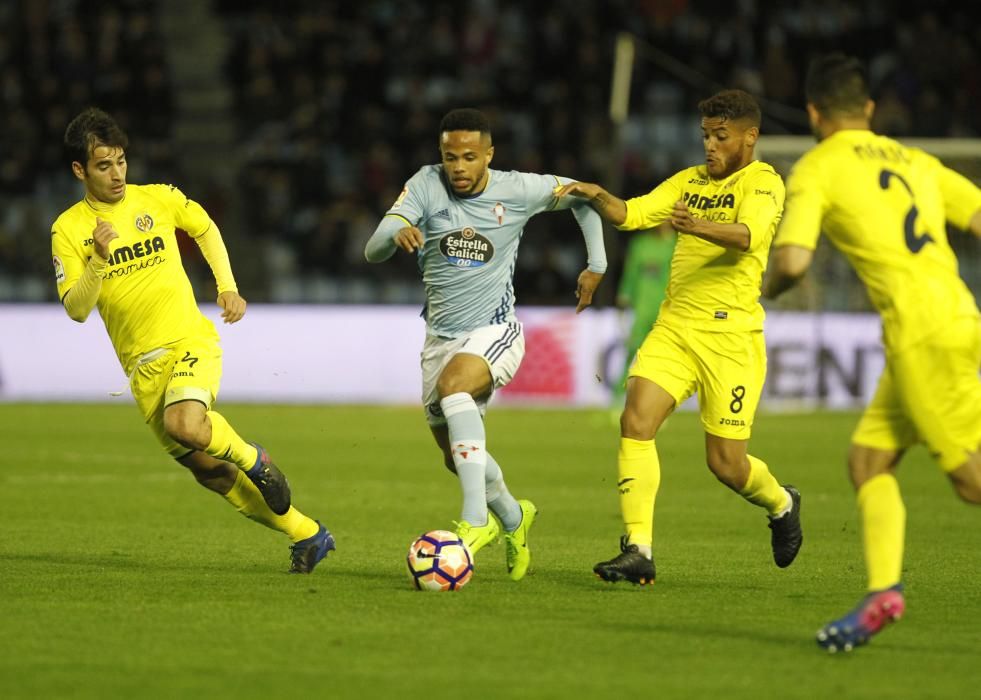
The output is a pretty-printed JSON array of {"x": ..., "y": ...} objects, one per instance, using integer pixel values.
[
  {"x": 929, "y": 393},
  {"x": 727, "y": 369},
  {"x": 190, "y": 370}
]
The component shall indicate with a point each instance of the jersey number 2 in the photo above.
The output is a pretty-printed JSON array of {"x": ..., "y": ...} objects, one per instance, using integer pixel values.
[{"x": 913, "y": 241}]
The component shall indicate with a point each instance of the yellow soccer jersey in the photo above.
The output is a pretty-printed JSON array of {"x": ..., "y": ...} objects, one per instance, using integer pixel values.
[
  {"x": 712, "y": 287},
  {"x": 884, "y": 206},
  {"x": 146, "y": 300}
]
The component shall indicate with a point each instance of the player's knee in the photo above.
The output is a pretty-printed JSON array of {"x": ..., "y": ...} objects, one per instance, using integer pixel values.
[
  {"x": 968, "y": 486},
  {"x": 864, "y": 463},
  {"x": 637, "y": 426},
  {"x": 450, "y": 384},
  {"x": 183, "y": 429},
  {"x": 969, "y": 494},
  {"x": 967, "y": 479},
  {"x": 727, "y": 468},
  {"x": 860, "y": 471}
]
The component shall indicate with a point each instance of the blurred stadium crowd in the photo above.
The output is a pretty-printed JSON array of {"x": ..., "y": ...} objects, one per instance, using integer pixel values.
[{"x": 333, "y": 105}]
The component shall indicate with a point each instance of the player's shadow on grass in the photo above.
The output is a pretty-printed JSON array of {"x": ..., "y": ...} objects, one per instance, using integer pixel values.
[
  {"x": 790, "y": 637},
  {"x": 380, "y": 579},
  {"x": 132, "y": 562},
  {"x": 585, "y": 579}
]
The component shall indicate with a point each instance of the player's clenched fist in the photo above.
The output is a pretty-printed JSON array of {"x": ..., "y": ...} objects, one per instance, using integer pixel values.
[
  {"x": 681, "y": 218},
  {"x": 232, "y": 306},
  {"x": 409, "y": 239},
  {"x": 101, "y": 235},
  {"x": 586, "y": 287}
]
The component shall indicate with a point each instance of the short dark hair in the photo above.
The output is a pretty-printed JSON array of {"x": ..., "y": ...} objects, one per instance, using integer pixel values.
[
  {"x": 732, "y": 105},
  {"x": 465, "y": 119},
  {"x": 837, "y": 84},
  {"x": 91, "y": 128}
]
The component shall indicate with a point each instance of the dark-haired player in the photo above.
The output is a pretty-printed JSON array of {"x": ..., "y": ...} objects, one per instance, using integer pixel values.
[
  {"x": 464, "y": 222},
  {"x": 116, "y": 250},
  {"x": 885, "y": 207},
  {"x": 708, "y": 337}
]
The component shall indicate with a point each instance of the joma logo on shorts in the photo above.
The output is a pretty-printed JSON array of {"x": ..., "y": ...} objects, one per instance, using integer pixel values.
[
  {"x": 182, "y": 374},
  {"x": 733, "y": 421}
]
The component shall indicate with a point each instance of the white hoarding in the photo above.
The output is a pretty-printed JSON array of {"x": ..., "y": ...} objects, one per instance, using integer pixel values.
[{"x": 370, "y": 354}]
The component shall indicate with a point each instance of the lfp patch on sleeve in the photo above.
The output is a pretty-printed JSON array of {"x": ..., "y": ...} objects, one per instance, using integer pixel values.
[
  {"x": 59, "y": 269},
  {"x": 401, "y": 198}
]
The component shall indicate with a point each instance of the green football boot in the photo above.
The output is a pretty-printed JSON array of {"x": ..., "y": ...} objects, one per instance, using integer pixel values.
[
  {"x": 476, "y": 537},
  {"x": 518, "y": 554}
]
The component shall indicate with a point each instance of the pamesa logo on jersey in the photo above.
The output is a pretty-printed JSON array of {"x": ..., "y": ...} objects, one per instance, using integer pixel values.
[{"x": 466, "y": 248}]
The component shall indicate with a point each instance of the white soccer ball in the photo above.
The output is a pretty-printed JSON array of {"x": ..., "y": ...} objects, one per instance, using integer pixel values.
[{"x": 439, "y": 561}]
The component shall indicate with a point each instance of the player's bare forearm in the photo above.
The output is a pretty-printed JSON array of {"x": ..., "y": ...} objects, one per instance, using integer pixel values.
[
  {"x": 736, "y": 236},
  {"x": 609, "y": 206}
]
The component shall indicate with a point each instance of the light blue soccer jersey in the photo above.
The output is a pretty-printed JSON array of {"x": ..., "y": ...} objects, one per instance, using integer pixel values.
[{"x": 471, "y": 246}]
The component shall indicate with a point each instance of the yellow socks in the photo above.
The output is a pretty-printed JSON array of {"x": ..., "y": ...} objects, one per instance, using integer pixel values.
[
  {"x": 639, "y": 475},
  {"x": 227, "y": 446},
  {"x": 763, "y": 490},
  {"x": 883, "y": 530},
  {"x": 247, "y": 500}
]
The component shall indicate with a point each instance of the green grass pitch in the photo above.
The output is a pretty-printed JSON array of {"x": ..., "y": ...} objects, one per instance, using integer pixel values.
[{"x": 121, "y": 578}]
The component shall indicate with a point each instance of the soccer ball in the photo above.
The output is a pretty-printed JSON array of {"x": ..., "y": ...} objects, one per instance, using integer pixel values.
[{"x": 439, "y": 561}]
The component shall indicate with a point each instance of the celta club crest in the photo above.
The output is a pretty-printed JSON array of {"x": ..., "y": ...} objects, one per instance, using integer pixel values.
[
  {"x": 499, "y": 213},
  {"x": 144, "y": 223},
  {"x": 464, "y": 450}
]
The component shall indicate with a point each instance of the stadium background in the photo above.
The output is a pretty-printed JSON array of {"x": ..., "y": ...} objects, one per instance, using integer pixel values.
[{"x": 296, "y": 128}]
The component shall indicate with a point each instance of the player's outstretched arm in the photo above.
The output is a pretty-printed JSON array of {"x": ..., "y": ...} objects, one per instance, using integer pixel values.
[
  {"x": 610, "y": 207},
  {"x": 788, "y": 264},
  {"x": 592, "y": 232}
]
